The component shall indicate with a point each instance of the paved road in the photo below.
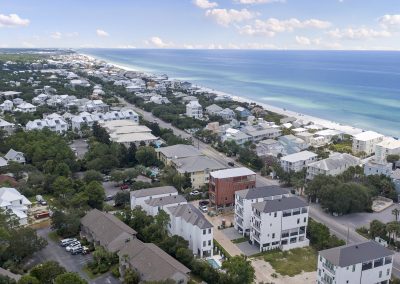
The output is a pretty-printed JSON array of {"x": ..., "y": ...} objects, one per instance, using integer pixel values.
[
  {"x": 80, "y": 146},
  {"x": 340, "y": 229}
]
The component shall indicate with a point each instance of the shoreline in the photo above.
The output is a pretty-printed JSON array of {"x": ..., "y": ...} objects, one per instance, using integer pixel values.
[{"x": 347, "y": 129}]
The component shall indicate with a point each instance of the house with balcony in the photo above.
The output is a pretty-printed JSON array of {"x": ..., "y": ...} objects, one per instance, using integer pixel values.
[
  {"x": 366, "y": 142},
  {"x": 297, "y": 161},
  {"x": 194, "y": 110},
  {"x": 245, "y": 198},
  {"x": 336, "y": 164},
  {"x": 388, "y": 146},
  {"x": 188, "y": 222},
  {"x": 279, "y": 223},
  {"x": 25, "y": 107},
  {"x": 15, "y": 203},
  {"x": 224, "y": 183},
  {"x": 356, "y": 263},
  {"x": 139, "y": 197}
]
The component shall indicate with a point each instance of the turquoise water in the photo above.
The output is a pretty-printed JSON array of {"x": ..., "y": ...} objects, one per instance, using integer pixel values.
[
  {"x": 358, "y": 88},
  {"x": 213, "y": 263}
]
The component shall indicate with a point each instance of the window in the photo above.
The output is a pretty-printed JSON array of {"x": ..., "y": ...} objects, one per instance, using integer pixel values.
[
  {"x": 298, "y": 221},
  {"x": 305, "y": 219},
  {"x": 354, "y": 268},
  {"x": 380, "y": 274},
  {"x": 378, "y": 262},
  {"x": 273, "y": 235},
  {"x": 209, "y": 242},
  {"x": 209, "y": 230},
  {"x": 204, "y": 232},
  {"x": 304, "y": 210},
  {"x": 204, "y": 243},
  {"x": 388, "y": 272},
  {"x": 388, "y": 260},
  {"x": 367, "y": 265},
  {"x": 275, "y": 214}
]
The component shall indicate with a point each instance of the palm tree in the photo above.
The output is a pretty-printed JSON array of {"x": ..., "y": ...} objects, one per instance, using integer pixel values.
[
  {"x": 393, "y": 229},
  {"x": 396, "y": 213}
]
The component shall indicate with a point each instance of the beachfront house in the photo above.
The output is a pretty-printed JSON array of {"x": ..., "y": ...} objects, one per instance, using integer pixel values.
[
  {"x": 279, "y": 223},
  {"x": 388, "y": 146},
  {"x": 292, "y": 144},
  {"x": 361, "y": 263},
  {"x": 366, "y": 142},
  {"x": 245, "y": 198},
  {"x": 194, "y": 110}
]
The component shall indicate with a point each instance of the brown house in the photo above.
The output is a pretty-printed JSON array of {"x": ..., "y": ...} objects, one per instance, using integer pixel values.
[{"x": 224, "y": 183}]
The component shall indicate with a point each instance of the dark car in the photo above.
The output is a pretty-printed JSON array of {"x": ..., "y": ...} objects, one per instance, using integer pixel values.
[
  {"x": 231, "y": 164},
  {"x": 204, "y": 203},
  {"x": 124, "y": 186}
]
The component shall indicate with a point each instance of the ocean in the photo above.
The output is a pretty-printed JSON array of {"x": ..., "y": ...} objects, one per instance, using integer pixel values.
[{"x": 357, "y": 88}]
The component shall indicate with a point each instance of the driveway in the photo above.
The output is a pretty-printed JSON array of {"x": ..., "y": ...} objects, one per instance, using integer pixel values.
[
  {"x": 80, "y": 147},
  {"x": 110, "y": 188},
  {"x": 72, "y": 263}
]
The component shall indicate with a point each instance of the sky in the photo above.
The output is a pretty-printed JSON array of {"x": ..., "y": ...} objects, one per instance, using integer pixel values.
[{"x": 201, "y": 24}]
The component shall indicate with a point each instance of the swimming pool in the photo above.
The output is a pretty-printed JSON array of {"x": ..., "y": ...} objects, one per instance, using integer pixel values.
[{"x": 214, "y": 263}]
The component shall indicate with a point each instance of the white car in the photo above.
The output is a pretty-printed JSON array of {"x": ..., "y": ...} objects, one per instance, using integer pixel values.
[
  {"x": 72, "y": 245},
  {"x": 203, "y": 209},
  {"x": 195, "y": 192}
]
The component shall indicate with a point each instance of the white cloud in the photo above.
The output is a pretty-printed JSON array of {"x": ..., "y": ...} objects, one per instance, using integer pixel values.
[
  {"x": 205, "y": 4},
  {"x": 73, "y": 34},
  {"x": 158, "y": 42},
  {"x": 102, "y": 33},
  {"x": 56, "y": 35},
  {"x": 272, "y": 26},
  {"x": 358, "y": 33},
  {"x": 316, "y": 43},
  {"x": 258, "y": 1},
  {"x": 28, "y": 44},
  {"x": 390, "y": 21},
  {"x": 225, "y": 17},
  {"x": 302, "y": 40},
  {"x": 188, "y": 46},
  {"x": 128, "y": 46},
  {"x": 12, "y": 20},
  {"x": 215, "y": 46}
]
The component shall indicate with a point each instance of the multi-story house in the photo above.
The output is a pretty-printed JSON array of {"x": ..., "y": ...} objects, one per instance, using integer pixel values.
[
  {"x": 188, "y": 222},
  {"x": 245, "y": 198},
  {"x": 279, "y": 223},
  {"x": 194, "y": 110},
  {"x": 15, "y": 156},
  {"x": 7, "y": 105},
  {"x": 139, "y": 197},
  {"x": 178, "y": 151},
  {"x": 25, "y": 107},
  {"x": 360, "y": 263},
  {"x": 336, "y": 164},
  {"x": 292, "y": 144},
  {"x": 297, "y": 161},
  {"x": 15, "y": 203},
  {"x": 224, "y": 183},
  {"x": 154, "y": 205},
  {"x": 54, "y": 122},
  {"x": 366, "y": 141},
  {"x": 385, "y": 148},
  {"x": 7, "y": 126}
]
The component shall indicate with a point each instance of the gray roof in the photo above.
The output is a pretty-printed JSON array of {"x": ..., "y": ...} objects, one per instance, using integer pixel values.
[
  {"x": 107, "y": 229},
  {"x": 11, "y": 154},
  {"x": 152, "y": 263},
  {"x": 179, "y": 151},
  {"x": 213, "y": 108},
  {"x": 153, "y": 191},
  {"x": 191, "y": 215},
  {"x": 281, "y": 204},
  {"x": 355, "y": 253},
  {"x": 336, "y": 161},
  {"x": 161, "y": 201},
  {"x": 196, "y": 164},
  {"x": 261, "y": 192}
]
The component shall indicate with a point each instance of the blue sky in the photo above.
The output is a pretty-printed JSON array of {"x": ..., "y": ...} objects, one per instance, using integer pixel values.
[{"x": 245, "y": 24}]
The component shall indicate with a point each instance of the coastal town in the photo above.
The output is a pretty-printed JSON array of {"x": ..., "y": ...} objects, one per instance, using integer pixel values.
[{"x": 111, "y": 175}]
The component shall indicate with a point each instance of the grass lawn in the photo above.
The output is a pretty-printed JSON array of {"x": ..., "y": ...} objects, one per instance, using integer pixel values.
[
  {"x": 292, "y": 262},
  {"x": 240, "y": 240}
]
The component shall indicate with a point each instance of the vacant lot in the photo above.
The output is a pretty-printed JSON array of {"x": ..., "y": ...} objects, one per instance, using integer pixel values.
[{"x": 292, "y": 262}]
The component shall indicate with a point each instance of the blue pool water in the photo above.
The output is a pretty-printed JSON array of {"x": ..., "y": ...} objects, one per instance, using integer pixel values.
[{"x": 213, "y": 263}]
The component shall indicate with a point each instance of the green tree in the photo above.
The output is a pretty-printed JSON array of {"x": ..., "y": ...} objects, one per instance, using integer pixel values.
[
  {"x": 377, "y": 229},
  {"x": 6, "y": 280},
  {"x": 47, "y": 272},
  {"x": 66, "y": 224},
  {"x": 96, "y": 194},
  {"x": 69, "y": 278},
  {"x": 393, "y": 228},
  {"x": 146, "y": 156},
  {"x": 392, "y": 158},
  {"x": 131, "y": 277},
  {"x": 396, "y": 213},
  {"x": 122, "y": 198},
  {"x": 28, "y": 279},
  {"x": 239, "y": 269},
  {"x": 92, "y": 175},
  {"x": 118, "y": 176}
]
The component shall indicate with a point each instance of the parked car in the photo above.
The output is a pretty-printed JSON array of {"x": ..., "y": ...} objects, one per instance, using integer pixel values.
[
  {"x": 76, "y": 250},
  {"x": 66, "y": 242},
  {"x": 85, "y": 250},
  {"x": 231, "y": 164},
  {"x": 106, "y": 178},
  {"x": 203, "y": 209},
  {"x": 194, "y": 192},
  {"x": 73, "y": 244},
  {"x": 124, "y": 186},
  {"x": 40, "y": 200},
  {"x": 109, "y": 198},
  {"x": 203, "y": 202}
]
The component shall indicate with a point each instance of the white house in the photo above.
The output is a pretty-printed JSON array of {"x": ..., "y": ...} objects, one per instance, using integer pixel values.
[
  {"x": 15, "y": 203},
  {"x": 246, "y": 197},
  {"x": 7, "y": 126},
  {"x": 366, "y": 141},
  {"x": 374, "y": 168},
  {"x": 194, "y": 110},
  {"x": 15, "y": 156},
  {"x": 279, "y": 223},
  {"x": 54, "y": 122},
  {"x": 385, "y": 148},
  {"x": 188, "y": 222},
  {"x": 236, "y": 135},
  {"x": 25, "y": 107},
  {"x": 7, "y": 105},
  {"x": 139, "y": 197},
  {"x": 359, "y": 263},
  {"x": 159, "y": 100},
  {"x": 297, "y": 161},
  {"x": 334, "y": 165},
  {"x": 154, "y": 205},
  {"x": 213, "y": 109}
]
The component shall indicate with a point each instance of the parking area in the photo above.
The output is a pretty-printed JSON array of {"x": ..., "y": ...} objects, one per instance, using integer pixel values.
[
  {"x": 231, "y": 233},
  {"x": 248, "y": 249},
  {"x": 73, "y": 263},
  {"x": 110, "y": 188},
  {"x": 80, "y": 147}
]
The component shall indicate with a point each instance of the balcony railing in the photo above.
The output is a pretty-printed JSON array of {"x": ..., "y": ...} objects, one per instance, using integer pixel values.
[{"x": 328, "y": 268}]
